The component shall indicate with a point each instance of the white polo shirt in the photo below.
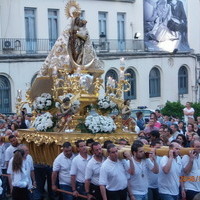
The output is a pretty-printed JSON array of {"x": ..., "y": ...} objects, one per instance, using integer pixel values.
[
  {"x": 2, "y": 156},
  {"x": 169, "y": 183},
  {"x": 19, "y": 179},
  {"x": 195, "y": 172},
  {"x": 78, "y": 167},
  {"x": 139, "y": 181},
  {"x": 62, "y": 164},
  {"x": 9, "y": 152},
  {"x": 114, "y": 175},
  {"x": 93, "y": 170},
  {"x": 29, "y": 167},
  {"x": 153, "y": 178}
]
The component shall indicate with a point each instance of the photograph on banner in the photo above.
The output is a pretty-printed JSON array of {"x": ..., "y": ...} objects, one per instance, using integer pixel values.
[{"x": 165, "y": 25}]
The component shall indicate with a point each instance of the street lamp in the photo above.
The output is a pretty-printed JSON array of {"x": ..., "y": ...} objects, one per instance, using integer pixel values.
[
  {"x": 198, "y": 82},
  {"x": 137, "y": 35}
]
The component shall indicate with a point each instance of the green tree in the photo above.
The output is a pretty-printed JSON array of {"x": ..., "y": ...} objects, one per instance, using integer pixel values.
[
  {"x": 174, "y": 109},
  {"x": 196, "y": 107}
]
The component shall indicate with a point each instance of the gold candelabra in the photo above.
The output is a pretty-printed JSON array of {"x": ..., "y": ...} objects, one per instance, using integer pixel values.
[
  {"x": 64, "y": 83},
  {"x": 20, "y": 103},
  {"x": 115, "y": 89}
]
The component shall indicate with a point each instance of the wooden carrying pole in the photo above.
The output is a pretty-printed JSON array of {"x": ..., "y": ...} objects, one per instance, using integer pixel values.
[
  {"x": 71, "y": 193},
  {"x": 163, "y": 151}
]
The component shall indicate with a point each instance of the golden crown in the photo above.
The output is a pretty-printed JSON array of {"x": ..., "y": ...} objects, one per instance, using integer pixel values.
[{"x": 76, "y": 12}]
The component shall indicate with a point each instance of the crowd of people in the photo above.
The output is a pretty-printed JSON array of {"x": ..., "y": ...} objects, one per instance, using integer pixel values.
[{"x": 106, "y": 176}]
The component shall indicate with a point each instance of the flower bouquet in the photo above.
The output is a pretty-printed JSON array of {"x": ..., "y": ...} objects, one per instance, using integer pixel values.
[
  {"x": 43, "y": 102},
  {"x": 106, "y": 105},
  {"x": 43, "y": 122},
  {"x": 100, "y": 124}
]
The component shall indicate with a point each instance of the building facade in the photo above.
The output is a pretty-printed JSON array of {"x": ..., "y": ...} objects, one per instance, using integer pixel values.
[{"x": 158, "y": 70}]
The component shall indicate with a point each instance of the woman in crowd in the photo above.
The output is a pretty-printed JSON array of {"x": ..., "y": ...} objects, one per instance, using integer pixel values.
[
  {"x": 182, "y": 140},
  {"x": 154, "y": 116},
  {"x": 14, "y": 127},
  {"x": 18, "y": 176}
]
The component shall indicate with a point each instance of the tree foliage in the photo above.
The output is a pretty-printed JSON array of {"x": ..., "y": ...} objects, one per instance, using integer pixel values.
[
  {"x": 174, "y": 109},
  {"x": 196, "y": 107}
]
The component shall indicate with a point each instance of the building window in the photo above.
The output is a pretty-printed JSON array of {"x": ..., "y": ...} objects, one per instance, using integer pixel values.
[
  {"x": 53, "y": 26},
  {"x": 183, "y": 80},
  {"x": 111, "y": 73},
  {"x": 121, "y": 31},
  {"x": 154, "y": 83},
  {"x": 5, "y": 95},
  {"x": 82, "y": 14},
  {"x": 131, "y": 94},
  {"x": 103, "y": 24},
  {"x": 30, "y": 30}
]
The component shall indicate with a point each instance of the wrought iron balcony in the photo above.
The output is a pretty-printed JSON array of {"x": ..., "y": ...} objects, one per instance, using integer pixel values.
[{"x": 43, "y": 46}]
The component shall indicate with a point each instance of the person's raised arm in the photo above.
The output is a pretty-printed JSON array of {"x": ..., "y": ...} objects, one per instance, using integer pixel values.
[{"x": 168, "y": 165}]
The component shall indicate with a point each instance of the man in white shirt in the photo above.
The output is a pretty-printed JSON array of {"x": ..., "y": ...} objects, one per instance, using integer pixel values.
[
  {"x": 28, "y": 120},
  {"x": 188, "y": 112},
  {"x": 10, "y": 150},
  {"x": 78, "y": 167},
  {"x": 169, "y": 174},
  {"x": 138, "y": 182},
  {"x": 93, "y": 171},
  {"x": 152, "y": 177},
  {"x": 191, "y": 169},
  {"x": 175, "y": 132},
  {"x": 62, "y": 167},
  {"x": 113, "y": 178}
]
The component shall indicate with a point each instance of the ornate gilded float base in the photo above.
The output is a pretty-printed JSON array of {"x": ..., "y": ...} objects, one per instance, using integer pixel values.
[{"x": 44, "y": 147}]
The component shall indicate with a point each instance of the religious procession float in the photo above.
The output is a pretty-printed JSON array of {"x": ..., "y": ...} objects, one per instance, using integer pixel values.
[{"x": 65, "y": 97}]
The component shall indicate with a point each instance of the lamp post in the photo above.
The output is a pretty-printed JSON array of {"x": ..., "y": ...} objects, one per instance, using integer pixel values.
[{"x": 198, "y": 82}]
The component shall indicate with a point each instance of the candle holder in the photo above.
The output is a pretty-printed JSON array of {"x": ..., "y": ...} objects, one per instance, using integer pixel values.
[
  {"x": 20, "y": 103},
  {"x": 115, "y": 89}
]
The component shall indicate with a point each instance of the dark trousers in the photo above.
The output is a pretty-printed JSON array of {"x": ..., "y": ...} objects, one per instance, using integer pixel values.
[
  {"x": 117, "y": 195},
  {"x": 190, "y": 194},
  {"x": 66, "y": 188},
  {"x": 80, "y": 187},
  {"x": 153, "y": 194},
  {"x": 43, "y": 174},
  {"x": 95, "y": 191},
  {"x": 19, "y": 193}
]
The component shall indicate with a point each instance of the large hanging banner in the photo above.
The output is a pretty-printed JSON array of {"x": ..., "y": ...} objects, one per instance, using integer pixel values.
[{"x": 165, "y": 25}]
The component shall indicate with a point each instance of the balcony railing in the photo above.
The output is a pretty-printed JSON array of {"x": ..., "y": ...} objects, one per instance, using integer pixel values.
[{"x": 43, "y": 46}]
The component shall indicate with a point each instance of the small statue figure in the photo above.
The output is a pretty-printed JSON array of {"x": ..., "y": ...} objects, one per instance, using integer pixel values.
[
  {"x": 67, "y": 111},
  {"x": 78, "y": 36},
  {"x": 97, "y": 84},
  {"x": 126, "y": 117}
]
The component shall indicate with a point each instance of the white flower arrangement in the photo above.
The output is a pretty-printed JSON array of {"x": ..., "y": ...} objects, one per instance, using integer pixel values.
[
  {"x": 43, "y": 122},
  {"x": 106, "y": 103},
  {"x": 43, "y": 102},
  {"x": 100, "y": 124}
]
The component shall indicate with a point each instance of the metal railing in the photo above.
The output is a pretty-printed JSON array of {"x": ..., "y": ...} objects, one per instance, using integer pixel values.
[{"x": 43, "y": 46}]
